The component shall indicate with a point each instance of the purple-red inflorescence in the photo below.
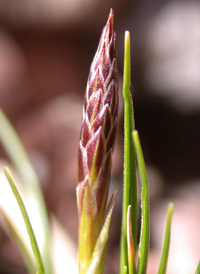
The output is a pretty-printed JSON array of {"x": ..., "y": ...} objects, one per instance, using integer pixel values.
[
  {"x": 99, "y": 115},
  {"x": 98, "y": 131}
]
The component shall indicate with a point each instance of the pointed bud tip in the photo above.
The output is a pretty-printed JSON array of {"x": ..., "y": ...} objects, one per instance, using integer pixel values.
[
  {"x": 111, "y": 14},
  {"x": 111, "y": 19}
]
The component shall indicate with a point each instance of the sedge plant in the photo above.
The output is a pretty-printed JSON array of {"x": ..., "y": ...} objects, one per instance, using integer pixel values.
[{"x": 98, "y": 130}]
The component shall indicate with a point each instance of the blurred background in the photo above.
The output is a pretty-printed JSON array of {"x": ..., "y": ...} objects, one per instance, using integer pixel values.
[{"x": 46, "y": 48}]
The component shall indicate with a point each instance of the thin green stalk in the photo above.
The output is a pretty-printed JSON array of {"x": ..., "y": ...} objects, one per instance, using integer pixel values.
[
  {"x": 19, "y": 158},
  {"x": 144, "y": 234},
  {"x": 98, "y": 257},
  {"x": 34, "y": 245},
  {"x": 165, "y": 250},
  {"x": 130, "y": 185},
  {"x": 125, "y": 270}
]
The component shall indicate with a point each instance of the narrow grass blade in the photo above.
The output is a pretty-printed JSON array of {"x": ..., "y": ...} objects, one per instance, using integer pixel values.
[
  {"x": 130, "y": 185},
  {"x": 19, "y": 158},
  {"x": 165, "y": 250},
  {"x": 26, "y": 255},
  {"x": 14, "y": 222},
  {"x": 198, "y": 269},
  {"x": 98, "y": 257},
  {"x": 144, "y": 234},
  {"x": 34, "y": 245},
  {"x": 131, "y": 251}
]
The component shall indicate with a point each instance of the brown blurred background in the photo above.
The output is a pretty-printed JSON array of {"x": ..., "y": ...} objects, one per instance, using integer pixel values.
[{"x": 46, "y": 48}]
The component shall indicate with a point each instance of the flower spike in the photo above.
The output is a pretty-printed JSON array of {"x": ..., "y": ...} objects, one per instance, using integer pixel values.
[{"x": 97, "y": 142}]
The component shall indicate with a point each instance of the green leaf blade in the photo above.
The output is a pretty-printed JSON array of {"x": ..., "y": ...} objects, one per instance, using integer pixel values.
[
  {"x": 130, "y": 243},
  {"x": 34, "y": 245},
  {"x": 166, "y": 244},
  {"x": 145, "y": 224},
  {"x": 130, "y": 185},
  {"x": 17, "y": 154}
]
